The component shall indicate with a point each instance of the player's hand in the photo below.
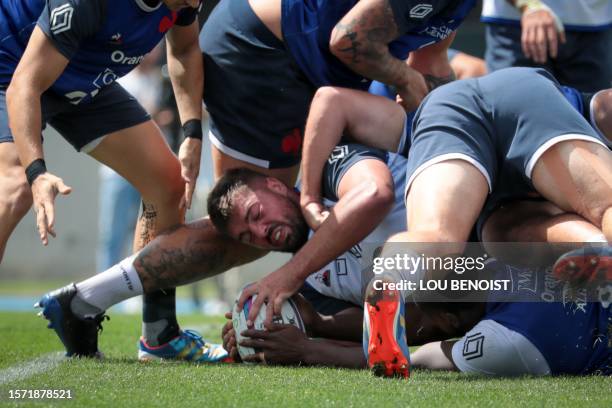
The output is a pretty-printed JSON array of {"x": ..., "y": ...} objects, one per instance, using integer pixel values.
[
  {"x": 542, "y": 30},
  {"x": 312, "y": 320},
  {"x": 229, "y": 338},
  {"x": 314, "y": 213},
  {"x": 281, "y": 344},
  {"x": 189, "y": 157},
  {"x": 44, "y": 190},
  {"x": 412, "y": 91},
  {"x": 273, "y": 290}
]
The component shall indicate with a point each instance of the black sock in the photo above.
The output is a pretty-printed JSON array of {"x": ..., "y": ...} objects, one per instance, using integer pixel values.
[{"x": 159, "y": 324}]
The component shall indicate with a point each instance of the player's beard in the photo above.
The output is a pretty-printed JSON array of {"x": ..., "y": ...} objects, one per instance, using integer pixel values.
[{"x": 299, "y": 229}]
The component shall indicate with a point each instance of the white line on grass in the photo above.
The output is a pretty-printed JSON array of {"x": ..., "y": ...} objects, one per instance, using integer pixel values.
[{"x": 25, "y": 370}]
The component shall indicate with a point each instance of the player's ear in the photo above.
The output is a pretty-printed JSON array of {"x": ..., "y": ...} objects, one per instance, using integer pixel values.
[{"x": 276, "y": 185}]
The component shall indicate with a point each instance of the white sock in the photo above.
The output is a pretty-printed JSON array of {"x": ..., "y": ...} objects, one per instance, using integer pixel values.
[{"x": 112, "y": 286}]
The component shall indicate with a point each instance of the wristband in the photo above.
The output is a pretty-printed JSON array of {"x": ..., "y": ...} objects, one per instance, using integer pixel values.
[
  {"x": 531, "y": 6},
  {"x": 193, "y": 128},
  {"x": 35, "y": 169}
]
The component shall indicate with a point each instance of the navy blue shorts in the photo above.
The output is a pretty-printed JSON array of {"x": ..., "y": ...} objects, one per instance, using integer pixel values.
[
  {"x": 501, "y": 123},
  {"x": 84, "y": 126},
  {"x": 324, "y": 304},
  {"x": 584, "y": 61},
  {"x": 257, "y": 97}
]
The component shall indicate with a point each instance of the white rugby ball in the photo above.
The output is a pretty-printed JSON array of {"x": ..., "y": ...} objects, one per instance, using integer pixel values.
[{"x": 289, "y": 315}]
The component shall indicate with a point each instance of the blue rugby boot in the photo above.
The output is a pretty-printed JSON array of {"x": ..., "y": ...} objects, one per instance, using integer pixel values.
[
  {"x": 78, "y": 335},
  {"x": 187, "y": 346}
]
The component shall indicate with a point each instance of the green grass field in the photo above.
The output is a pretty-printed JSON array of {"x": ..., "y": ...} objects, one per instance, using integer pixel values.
[{"x": 31, "y": 361}]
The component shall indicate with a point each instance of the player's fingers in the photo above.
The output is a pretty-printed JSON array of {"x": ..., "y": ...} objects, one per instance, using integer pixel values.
[
  {"x": 246, "y": 293},
  {"x": 228, "y": 315},
  {"x": 189, "y": 187},
  {"x": 63, "y": 188},
  {"x": 255, "y": 306},
  {"x": 274, "y": 327},
  {"x": 278, "y": 305},
  {"x": 526, "y": 42},
  {"x": 540, "y": 45},
  {"x": 562, "y": 36},
  {"x": 255, "y": 334},
  {"x": 254, "y": 358},
  {"x": 269, "y": 315},
  {"x": 553, "y": 46},
  {"x": 50, "y": 213},
  {"x": 253, "y": 343},
  {"x": 41, "y": 223}
]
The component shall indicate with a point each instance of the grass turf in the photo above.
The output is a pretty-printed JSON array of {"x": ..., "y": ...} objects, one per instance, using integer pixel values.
[{"x": 121, "y": 381}]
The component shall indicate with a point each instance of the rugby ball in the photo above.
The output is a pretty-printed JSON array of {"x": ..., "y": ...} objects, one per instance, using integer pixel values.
[{"x": 289, "y": 315}]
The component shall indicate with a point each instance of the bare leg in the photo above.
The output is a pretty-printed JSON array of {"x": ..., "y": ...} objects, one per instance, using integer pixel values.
[
  {"x": 577, "y": 176},
  {"x": 155, "y": 172},
  {"x": 535, "y": 222},
  {"x": 15, "y": 194},
  {"x": 443, "y": 204}
]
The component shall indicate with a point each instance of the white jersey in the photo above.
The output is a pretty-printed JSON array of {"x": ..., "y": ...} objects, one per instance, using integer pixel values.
[
  {"x": 342, "y": 278},
  {"x": 579, "y": 15}
]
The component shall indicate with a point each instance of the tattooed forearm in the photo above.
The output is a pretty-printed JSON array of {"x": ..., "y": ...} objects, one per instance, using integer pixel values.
[
  {"x": 361, "y": 39},
  {"x": 188, "y": 253},
  {"x": 433, "y": 81}
]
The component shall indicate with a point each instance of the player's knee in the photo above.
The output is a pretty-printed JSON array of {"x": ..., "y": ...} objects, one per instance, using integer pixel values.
[
  {"x": 327, "y": 96},
  {"x": 167, "y": 192},
  {"x": 16, "y": 193},
  {"x": 602, "y": 112}
]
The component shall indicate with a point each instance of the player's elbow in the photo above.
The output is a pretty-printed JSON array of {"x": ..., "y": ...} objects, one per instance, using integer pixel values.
[
  {"x": 20, "y": 89},
  {"x": 602, "y": 112},
  {"x": 337, "y": 43},
  {"x": 379, "y": 197}
]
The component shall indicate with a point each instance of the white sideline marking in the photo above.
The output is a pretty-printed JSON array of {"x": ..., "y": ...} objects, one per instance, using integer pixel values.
[{"x": 25, "y": 370}]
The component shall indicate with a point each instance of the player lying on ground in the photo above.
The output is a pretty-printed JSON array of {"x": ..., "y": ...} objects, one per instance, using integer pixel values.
[
  {"x": 449, "y": 178},
  {"x": 494, "y": 339},
  {"x": 255, "y": 208},
  {"x": 59, "y": 60},
  {"x": 564, "y": 160}
]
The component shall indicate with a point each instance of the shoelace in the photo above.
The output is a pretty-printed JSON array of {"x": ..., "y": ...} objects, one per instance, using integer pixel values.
[
  {"x": 99, "y": 320},
  {"x": 194, "y": 335}
]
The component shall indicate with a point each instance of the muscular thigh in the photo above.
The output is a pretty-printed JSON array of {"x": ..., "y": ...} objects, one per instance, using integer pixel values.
[
  {"x": 576, "y": 175},
  {"x": 445, "y": 199}
]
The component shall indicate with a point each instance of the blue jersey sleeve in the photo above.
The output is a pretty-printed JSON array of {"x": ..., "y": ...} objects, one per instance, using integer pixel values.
[
  {"x": 68, "y": 22},
  {"x": 341, "y": 159},
  {"x": 411, "y": 14},
  {"x": 186, "y": 16}
]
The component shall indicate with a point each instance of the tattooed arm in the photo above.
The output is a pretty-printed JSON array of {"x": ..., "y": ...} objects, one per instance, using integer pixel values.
[
  {"x": 361, "y": 40},
  {"x": 187, "y": 253}
]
